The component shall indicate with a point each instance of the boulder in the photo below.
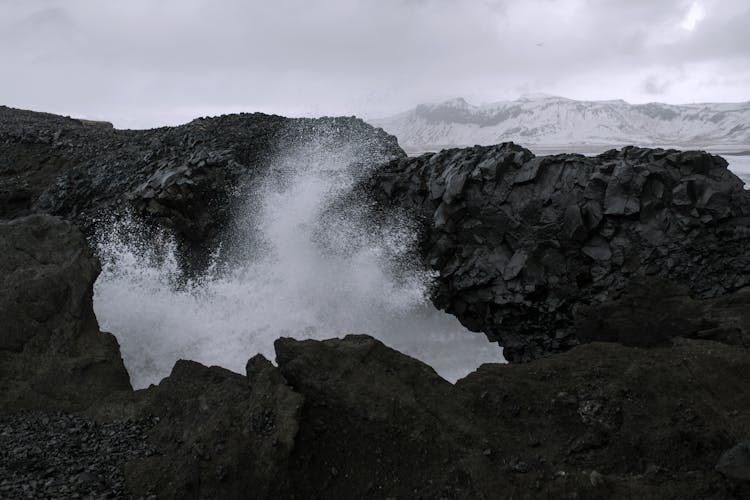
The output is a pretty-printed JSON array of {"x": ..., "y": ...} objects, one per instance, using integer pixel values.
[
  {"x": 52, "y": 353},
  {"x": 542, "y": 253},
  {"x": 220, "y": 434},
  {"x": 735, "y": 462},
  {"x": 376, "y": 423}
]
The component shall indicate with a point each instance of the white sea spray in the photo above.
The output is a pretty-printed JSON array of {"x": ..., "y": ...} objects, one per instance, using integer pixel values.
[{"x": 318, "y": 274}]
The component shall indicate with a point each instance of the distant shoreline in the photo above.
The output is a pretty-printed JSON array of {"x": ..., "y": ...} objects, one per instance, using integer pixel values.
[{"x": 591, "y": 149}]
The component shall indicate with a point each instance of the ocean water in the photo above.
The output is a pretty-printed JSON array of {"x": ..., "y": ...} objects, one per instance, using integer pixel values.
[
  {"x": 740, "y": 165},
  {"x": 316, "y": 277}
]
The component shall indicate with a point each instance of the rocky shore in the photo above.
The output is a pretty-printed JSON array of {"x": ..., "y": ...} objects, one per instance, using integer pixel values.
[{"x": 621, "y": 279}]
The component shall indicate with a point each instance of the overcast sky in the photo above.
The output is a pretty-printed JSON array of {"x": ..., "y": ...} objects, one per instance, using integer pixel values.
[{"x": 143, "y": 63}]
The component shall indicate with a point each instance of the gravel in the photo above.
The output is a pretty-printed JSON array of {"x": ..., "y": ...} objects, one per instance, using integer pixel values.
[{"x": 58, "y": 455}]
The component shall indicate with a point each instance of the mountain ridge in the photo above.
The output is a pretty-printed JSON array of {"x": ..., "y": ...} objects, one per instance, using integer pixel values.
[{"x": 549, "y": 121}]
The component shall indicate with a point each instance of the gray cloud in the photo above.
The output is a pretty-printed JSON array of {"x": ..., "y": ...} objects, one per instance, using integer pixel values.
[
  {"x": 145, "y": 62},
  {"x": 653, "y": 85}
]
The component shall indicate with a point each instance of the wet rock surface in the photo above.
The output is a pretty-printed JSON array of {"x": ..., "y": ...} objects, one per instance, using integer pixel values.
[
  {"x": 188, "y": 179},
  {"x": 537, "y": 252},
  {"x": 52, "y": 353}
]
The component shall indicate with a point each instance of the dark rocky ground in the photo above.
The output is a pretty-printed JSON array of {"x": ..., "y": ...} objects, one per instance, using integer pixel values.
[
  {"x": 59, "y": 455},
  {"x": 351, "y": 418}
]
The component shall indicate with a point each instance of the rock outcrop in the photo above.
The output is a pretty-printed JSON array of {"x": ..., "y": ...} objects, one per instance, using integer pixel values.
[
  {"x": 347, "y": 417},
  {"x": 52, "y": 354},
  {"x": 352, "y": 418},
  {"x": 635, "y": 247},
  {"x": 542, "y": 253},
  {"x": 220, "y": 434},
  {"x": 189, "y": 179}
]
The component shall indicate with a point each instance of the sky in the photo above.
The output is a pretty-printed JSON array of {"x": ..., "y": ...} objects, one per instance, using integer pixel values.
[{"x": 147, "y": 63}]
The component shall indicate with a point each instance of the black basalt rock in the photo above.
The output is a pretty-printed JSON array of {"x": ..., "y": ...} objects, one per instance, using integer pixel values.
[
  {"x": 538, "y": 252},
  {"x": 52, "y": 354},
  {"x": 189, "y": 179},
  {"x": 345, "y": 418},
  {"x": 220, "y": 434}
]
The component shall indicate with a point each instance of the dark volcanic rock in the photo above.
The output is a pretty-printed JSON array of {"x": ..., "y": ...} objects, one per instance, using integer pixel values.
[
  {"x": 650, "y": 422},
  {"x": 527, "y": 247},
  {"x": 642, "y": 247},
  {"x": 58, "y": 455},
  {"x": 650, "y": 314},
  {"x": 188, "y": 178},
  {"x": 52, "y": 354},
  {"x": 376, "y": 423},
  {"x": 352, "y": 418},
  {"x": 221, "y": 435},
  {"x": 735, "y": 462}
]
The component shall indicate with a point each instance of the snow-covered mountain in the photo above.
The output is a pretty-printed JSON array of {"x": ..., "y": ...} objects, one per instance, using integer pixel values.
[{"x": 549, "y": 122}]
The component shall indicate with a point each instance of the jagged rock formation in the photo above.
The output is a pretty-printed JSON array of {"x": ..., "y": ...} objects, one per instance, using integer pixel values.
[
  {"x": 529, "y": 248},
  {"x": 537, "y": 251},
  {"x": 348, "y": 418},
  {"x": 352, "y": 418},
  {"x": 637, "y": 247},
  {"x": 52, "y": 353},
  {"x": 220, "y": 434},
  {"x": 189, "y": 178}
]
